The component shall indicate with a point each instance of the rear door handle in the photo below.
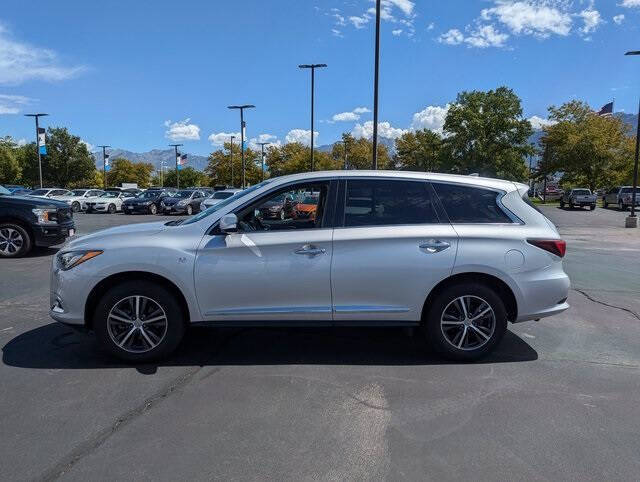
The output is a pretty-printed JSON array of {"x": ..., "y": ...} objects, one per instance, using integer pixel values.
[
  {"x": 434, "y": 246},
  {"x": 310, "y": 250}
]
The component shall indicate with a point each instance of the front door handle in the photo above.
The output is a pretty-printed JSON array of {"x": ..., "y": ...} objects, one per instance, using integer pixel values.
[
  {"x": 435, "y": 246},
  {"x": 310, "y": 250}
]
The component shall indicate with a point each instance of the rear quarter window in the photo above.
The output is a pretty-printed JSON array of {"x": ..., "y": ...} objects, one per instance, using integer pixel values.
[{"x": 469, "y": 204}]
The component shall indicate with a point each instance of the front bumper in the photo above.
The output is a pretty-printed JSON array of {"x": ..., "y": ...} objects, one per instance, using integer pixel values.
[
  {"x": 68, "y": 294},
  {"x": 96, "y": 208},
  {"x": 49, "y": 235},
  {"x": 136, "y": 208},
  {"x": 174, "y": 209}
]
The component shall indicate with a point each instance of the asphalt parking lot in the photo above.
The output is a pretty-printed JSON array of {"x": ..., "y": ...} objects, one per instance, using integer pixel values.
[{"x": 558, "y": 401}]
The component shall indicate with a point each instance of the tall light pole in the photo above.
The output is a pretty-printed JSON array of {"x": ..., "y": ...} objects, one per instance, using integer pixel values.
[
  {"x": 231, "y": 153},
  {"x": 175, "y": 146},
  {"x": 262, "y": 144},
  {"x": 375, "y": 88},
  {"x": 632, "y": 220},
  {"x": 241, "y": 108},
  {"x": 36, "y": 116},
  {"x": 313, "y": 68},
  {"x": 162, "y": 166},
  {"x": 104, "y": 167}
]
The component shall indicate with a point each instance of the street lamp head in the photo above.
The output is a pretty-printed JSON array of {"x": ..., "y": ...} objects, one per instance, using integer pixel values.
[
  {"x": 311, "y": 66},
  {"x": 633, "y": 52},
  {"x": 35, "y": 115},
  {"x": 245, "y": 106}
]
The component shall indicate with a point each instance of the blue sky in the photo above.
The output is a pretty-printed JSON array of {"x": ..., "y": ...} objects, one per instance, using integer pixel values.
[{"x": 139, "y": 75}]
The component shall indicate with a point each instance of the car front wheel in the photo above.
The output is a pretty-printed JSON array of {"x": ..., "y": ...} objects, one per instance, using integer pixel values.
[
  {"x": 75, "y": 206},
  {"x": 466, "y": 322},
  {"x": 139, "y": 322},
  {"x": 153, "y": 209},
  {"x": 189, "y": 209},
  {"x": 112, "y": 209},
  {"x": 14, "y": 241}
]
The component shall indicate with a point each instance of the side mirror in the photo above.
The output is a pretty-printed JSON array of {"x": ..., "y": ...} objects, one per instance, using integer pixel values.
[{"x": 229, "y": 223}]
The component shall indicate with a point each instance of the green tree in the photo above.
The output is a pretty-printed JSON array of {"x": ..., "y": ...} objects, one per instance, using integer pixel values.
[
  {"x": 485, "y": 133},
  {"x": 189, "y": 177},
  {"x": 359, "y": 154},
  {"x": 589, "y": 150},
  {"x": 219, "y": 166},
  {"x": 10, "y": 169},
  {"x": 123, "y": 171},
  {"x": 419, "y": 151}
]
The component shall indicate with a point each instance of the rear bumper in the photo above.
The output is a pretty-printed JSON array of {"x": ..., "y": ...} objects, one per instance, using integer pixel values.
[{"x": 543, "y": 295}]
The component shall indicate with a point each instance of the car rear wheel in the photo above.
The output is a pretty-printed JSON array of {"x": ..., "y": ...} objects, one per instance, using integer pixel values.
[
  {"x": 75, "y": 206},
  {"x": 14, "y": 241},
  {"x": 605, "y": 204},
  {"x": 189, "y": 209},
  {"x": 112, "y": 208},
  {"x": 139, "y": 322},
  {"x": 621, "y": 206},
  {"x": 466, "y": 322},
  {"x": 153, "y": 209},
  {"x": 561, "y": 204}
]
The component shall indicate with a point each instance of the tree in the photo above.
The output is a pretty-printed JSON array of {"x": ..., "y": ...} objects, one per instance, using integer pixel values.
[
  {"x": 590, "y": 150},
  {"x": 485, "y": 133},
  {"x": 219, "y": 167},
  {"x": 419, "y": 151},
  {"x": 123, "y": 171},
  {"x": 189, "y": 177},
  {"x": 9, "y": 165},
  {"x": 359, "y": 154}
]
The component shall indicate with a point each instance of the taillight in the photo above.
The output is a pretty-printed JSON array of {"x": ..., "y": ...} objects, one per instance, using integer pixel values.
[{"x": 553, "y": 246}]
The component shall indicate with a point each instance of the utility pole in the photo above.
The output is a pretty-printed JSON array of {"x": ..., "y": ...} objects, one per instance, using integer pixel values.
[
  {"x": 104, "y": 167},
  {"x": 632, "y": 220},
  {"x": 36, "y": 116},
  {"x": 175, "y": 146},
  {"x": 313, "y": 68},
  {"x": 162, "y": 166},
  {"x": 231, "y": 153},
  {"x": 375, "y": 88},
  {"x": 262, "y": 144},
  {"x": 241, "y": 108}
]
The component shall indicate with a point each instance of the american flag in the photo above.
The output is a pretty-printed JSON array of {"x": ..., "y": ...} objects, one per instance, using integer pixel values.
[{"x": 606, "y": 110}]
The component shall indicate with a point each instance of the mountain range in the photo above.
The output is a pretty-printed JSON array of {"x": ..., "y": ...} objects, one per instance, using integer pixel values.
[{"x": 167, "y": 156}]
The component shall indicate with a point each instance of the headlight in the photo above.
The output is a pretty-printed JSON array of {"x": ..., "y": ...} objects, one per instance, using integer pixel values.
[
  {"x": 71, "y": 259},
  {"x": 45, "y": 215}
]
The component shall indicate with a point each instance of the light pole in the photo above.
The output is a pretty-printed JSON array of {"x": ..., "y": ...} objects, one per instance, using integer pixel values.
[
  {"x": 231, "y": 154},
  {"x": 104, "y": 167},
  {"x": 162, "y": 166},
  {"x": 375, "y": 88},
  {"x": 175, "y": 146},
  {"x": 36, "y": 116},
  {"x": 241, "y": 108},
  {"x": 262, "y": 144},
  {"x": 313, "y": 68},
  {"x": 632, "y": 220}
]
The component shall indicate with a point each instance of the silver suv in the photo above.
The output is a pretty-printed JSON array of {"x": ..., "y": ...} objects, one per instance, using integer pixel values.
[{"x": 458, "y": 256}]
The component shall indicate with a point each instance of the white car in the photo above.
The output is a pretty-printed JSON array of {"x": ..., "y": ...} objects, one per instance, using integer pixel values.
[
  {"x": 50, "y": 192},
  {"x": 458, "y": 256},
  {"x": 108, "y": 202},
  {"x": 217, "y": 197},
  {"x": 75, "y": 198}
]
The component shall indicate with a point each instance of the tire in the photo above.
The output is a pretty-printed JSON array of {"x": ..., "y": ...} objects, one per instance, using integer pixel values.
[
  {"x": 126, "y": 340},
  {"x": 444, "y": 331},
  {"x": 282, "y": 215},
  {"x": 75, "y": 206},
  {"x": 571, "y": 206},
  {"x": 621, "y": 206},
  {"x": 561, "y": 204},
  {"x": 605, "y": 204},
  {"x": 189, "y": 210},
  {"x": 14, "y": 241},
  {"x": 112, "y": 209},
  {"x": 153, "y": 209},
  {"x": 592, "y": 207},
  {"x": 127, "y": 213}
]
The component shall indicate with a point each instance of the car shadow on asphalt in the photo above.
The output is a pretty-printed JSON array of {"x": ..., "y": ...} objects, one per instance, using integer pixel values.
[
  {"x": 55, "y": 346},
  {"x": 38, "y": 252}
]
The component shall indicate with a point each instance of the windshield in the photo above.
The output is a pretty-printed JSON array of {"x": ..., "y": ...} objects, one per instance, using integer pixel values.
[
  {"x": 110, "y": 194},
  {"x": 226, "y": 202},
  {"x": 183, "y": 194},
  {"x": 581, "y": 192},
  {"x": 148, "y": 195},
  {"x": 4, "y": 191},
  {"x": 40, "y": 192},
  {"x": 222, "y": 195},
  {"x": 627, "y": 190},
  {"x": 78, "y": 192}
]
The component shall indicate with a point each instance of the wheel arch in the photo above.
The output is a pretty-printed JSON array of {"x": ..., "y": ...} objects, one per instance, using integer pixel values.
[
  {"x": 110, "y": 281},
  {"x": 22, "y": 223},
  {"x": 502, "y": 289}
]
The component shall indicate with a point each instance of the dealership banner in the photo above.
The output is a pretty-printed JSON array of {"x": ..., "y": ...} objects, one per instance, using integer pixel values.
[
  {"x": 107, "y": 166},
  {"x": 42, "y": 139}
]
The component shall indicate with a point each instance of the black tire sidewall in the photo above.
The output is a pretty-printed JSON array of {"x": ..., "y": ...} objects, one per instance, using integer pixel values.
[
  {"x": 189, "y": 210},
  {"x": 27, "y": 242},
  {"x": 153, "y": 209},
  {"x": 432, "y": 322},
  {"x": 112, "y": 208},
  {"x": 75, "y": 206},
  {"x": 176, "y": 322}
]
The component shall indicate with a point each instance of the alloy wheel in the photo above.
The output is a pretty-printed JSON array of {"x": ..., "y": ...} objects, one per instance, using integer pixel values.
[
  {"x": 468, "y": 322},
  {"x": 137, "y": 324},
  {"x": 11, "y": 241}
]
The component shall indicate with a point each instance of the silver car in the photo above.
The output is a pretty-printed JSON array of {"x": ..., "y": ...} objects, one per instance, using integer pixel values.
[
  {"x": 459, "y": 256},
  {"x": 218, "y": 197}
]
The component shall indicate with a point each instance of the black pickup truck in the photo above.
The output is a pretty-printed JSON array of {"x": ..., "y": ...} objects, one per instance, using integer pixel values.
[{"x": 27, "y": 221}]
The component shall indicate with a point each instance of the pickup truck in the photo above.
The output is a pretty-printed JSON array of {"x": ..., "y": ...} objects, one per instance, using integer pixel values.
[
  {"x": 620, "y": 196},
  {"x": 578, "y": 197},
  {"x": 27, "y": 221}
]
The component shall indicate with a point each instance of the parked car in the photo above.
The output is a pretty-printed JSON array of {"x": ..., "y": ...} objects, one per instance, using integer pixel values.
[
  {"x": 147, "y": 202},
  {"x": 579, "y": 197},
  {"x": 183, "y": 202},
  {"x": 108, "y": 202},
  {"x": 75, "y": 198},
  {"x": 279, "y": 207},
  {"x": 50, "y": 192},
  {"x": 26, "y": 222},
  {"x": 13, "y": 187},
  {"x": 620, "y": 196},
  {"x": 21, "y": 192},
  {"x": 306, "y": 208},
  {"x": 218, "y": 197},
  {"x": 458, "y": 256}
]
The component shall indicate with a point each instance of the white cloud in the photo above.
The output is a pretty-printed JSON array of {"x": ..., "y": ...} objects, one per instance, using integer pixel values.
[
  {"x": 396, "y": 32},
  {"x": 591, "y": 18},
  {"x": 301, "y": 135},
  {"x": 394, "y": 11},
  {"x": 486, "y": 36},
  {"x": 431, "y": 26},
  {"x": 13, "y": 104},
  {"x": 21, "y": 142},
  {"x": 20, "y": 62},
  {"x": 90, "y": 147},
  {"x": 339, "y": 19},
  {"x": 361, "y": 110},
  {"x": 345, "y": 117},
  {"x": 531, "y": 17},
  {"x": 432, "y": 118},
  {"x": 385, "y": 130},
  {"x": 539, "y": 122},
  {"x": 336, "y": 33},
  {"x": 618, "y": 19},
  {"x": 182, "y": 131},
  {"x": 630, "y": 3},
  {"x": 359, "y": 22},
  {"x": 254, "y": 143},
  {"x": 452, "y": 37},
  {"x": 219, "y": 139}
]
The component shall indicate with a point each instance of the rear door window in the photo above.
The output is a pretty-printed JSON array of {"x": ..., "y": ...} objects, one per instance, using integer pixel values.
[{"x": 470, "y": 204}]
